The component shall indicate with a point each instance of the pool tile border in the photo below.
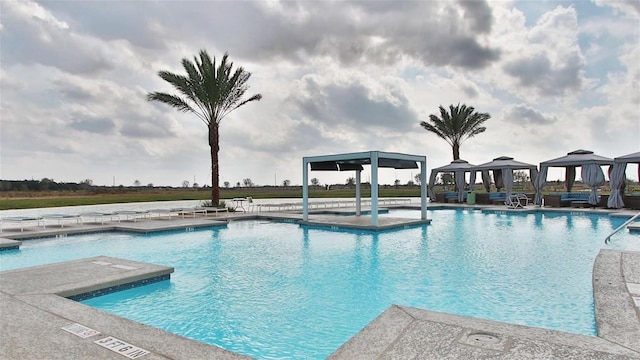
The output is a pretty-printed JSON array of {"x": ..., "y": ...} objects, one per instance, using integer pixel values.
[{"x": 117, "y": 288}]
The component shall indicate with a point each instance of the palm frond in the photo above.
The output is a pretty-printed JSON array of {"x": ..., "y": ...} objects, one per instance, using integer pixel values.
[
  {"x": 171, "y": 100},
  {"x": 456, "y": 124},
  {"x": 210, "y": 89}
]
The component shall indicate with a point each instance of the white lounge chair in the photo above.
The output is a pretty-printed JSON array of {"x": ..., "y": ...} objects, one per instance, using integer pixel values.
[
  {"x": 97, "y": 214},
  {"x": 161, "y": 212},
  {"x": 189, "y": 211},
  {"x": 516, "y": 201},
  {"x": 21, "y": 220},
  {"x": 60, "y": 218},
  {"x": 251, "y": 204},
  {"x": 207, "y": 209},
  {"x": 133, "y": 214}
]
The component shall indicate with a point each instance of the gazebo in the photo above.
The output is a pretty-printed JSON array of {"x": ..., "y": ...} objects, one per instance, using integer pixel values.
[
  {"x": 458, "y": 168},
  {"x": 616, "y": 178},
  {"x": 354, "y": 162},
  {"x": 592, "y": 174},
  {"x": 502, "y": 168}
]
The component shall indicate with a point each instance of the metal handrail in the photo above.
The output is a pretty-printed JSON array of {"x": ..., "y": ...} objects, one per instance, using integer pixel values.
[{"x": 608, "y": 238}]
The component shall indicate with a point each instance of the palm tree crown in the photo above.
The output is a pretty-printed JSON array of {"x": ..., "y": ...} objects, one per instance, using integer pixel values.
[
  {"x": 210, "y": 92},
  {"x": 456, "y": 125}
]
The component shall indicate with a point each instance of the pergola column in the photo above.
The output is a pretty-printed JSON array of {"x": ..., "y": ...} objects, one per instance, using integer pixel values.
[
  {"x": 305, "y": 190},
  {"x": 358, "y": 193},
  {"x": 374, "y": 188}
]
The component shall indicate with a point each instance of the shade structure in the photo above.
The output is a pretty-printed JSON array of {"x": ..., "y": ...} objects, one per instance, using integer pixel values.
[
  {"x": 616, "y": 178},
  {"x": 355, "y": 162},
  {"x": 579, "y": 158},
  {"x": 503, "y": 168},
  {"x": 458, "y": 168}
]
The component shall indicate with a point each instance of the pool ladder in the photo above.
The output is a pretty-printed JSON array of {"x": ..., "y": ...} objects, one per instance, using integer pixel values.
[{"x": 608, "y": 238}]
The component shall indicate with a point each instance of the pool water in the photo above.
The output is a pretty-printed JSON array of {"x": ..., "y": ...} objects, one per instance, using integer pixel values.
[{"x": 279, "y": 290}]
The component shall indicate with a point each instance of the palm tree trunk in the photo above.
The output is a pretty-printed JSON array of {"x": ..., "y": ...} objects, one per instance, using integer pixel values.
[
  {"x": 456, "y": 151},
  {"x": 214, "y": 144}
]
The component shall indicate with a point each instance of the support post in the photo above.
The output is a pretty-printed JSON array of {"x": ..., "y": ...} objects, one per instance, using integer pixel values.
[
  {"x": 358, "y": 193},
  {"x": 423, "y": 189},
  {"x": 374, "y": 188},
  {"x": 305, "y": 190}
]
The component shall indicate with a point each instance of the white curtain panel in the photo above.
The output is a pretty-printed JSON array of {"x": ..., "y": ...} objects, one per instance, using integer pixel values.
[
  {"x": 538, "y": 184},
  {"x": 593, "y": 176},
  {"x": 459, "y": 179},
  {"x": 432, "y": 184},
  {"x": 616, "y": 181},
  {"x": 486, "y": 180},
  {"x": 507, "y": 179}
]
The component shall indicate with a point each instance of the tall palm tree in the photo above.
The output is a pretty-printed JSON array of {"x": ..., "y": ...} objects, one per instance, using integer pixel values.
[
  {"x": 210, "y": 92},
  {"x": 457, "y": 125}
]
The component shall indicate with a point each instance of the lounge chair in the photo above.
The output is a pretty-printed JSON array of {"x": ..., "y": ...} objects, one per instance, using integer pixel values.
[
  {"x": 133, "y": 214},
  {"x": 516, "y": 201},
  {"x": 161, "y": 212},
  {"x": 251, "y": 204},
  {"x": 60, "y": 218},
  {"x": 189, "y": 211},
  {"x": 97, "y": 214},
  {"x": 207, "y": 209},
  {"x": 21, "y": 220}
]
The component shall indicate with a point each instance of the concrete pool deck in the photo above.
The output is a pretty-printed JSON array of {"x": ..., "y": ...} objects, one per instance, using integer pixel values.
[{"x": 34, "y": 309}]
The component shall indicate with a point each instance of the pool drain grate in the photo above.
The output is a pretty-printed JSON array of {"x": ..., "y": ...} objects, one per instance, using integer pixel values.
[{"x": 482, "y": 338}]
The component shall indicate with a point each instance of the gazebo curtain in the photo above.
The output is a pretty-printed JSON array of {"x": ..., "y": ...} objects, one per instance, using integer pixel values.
[
  {"x": 592, "y": 176},
  {"x": 459, "y": 180},
  {"x": 472, "y": 179},
  {"x": 486, "y": 180},
  {"x": 507, "y": 179},
  {"x": 571, "y": 177},
  {"x": 432, "y": 184},
  {"x": 538, "y": 184},
  {"x": 533, "y": 174},
  {"x": 497, "y": 178},
  {"x": 616, "y": 181}
]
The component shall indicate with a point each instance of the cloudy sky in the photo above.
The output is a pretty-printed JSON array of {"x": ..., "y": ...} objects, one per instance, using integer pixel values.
[{"x": 338, "y": 76}]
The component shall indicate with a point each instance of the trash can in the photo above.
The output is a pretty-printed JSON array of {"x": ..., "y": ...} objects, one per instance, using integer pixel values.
[{"x": 471, "y": 197}]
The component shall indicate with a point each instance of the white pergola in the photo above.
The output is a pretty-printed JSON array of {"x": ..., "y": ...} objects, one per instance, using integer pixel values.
[{"x": 354, "y": 161}]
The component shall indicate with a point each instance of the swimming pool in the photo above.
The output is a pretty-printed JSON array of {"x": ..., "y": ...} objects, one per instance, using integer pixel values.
[{"x": 276, "y": 290}]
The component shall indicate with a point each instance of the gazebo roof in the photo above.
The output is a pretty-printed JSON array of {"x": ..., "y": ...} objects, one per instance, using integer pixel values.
[
  {"x": 354, "y": 161},
  {"x": 455, "y": 165},
  {"x": 578, "y": 158},
  {"x": 631, "y": 158},
  {"x": 505, "y": 162}
]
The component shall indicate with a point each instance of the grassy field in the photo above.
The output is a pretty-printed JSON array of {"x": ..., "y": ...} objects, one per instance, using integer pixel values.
[{"x": 38, "y": 199}]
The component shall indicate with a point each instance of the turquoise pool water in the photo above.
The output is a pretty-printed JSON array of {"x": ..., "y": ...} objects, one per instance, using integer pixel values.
[{"x": 278, "y": 290}]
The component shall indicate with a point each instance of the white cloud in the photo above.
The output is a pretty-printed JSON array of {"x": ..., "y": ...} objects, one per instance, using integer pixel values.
[
  {"x": 336, "y": 77},
  {"x": 628, "y": 7}
]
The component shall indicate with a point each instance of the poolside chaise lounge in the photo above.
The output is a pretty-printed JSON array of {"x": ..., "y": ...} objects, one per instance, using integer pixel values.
[
  {"x": 21, "y": 220},
  {"x": 60, "y": 218},
  {"x": 516, "y": 201},
  {"x": 160, "y": 213},
  {"x": 193, "y": 211},
  {"x": 208, "y": 209},
  {"x": 178, "y": 211},
  {"x": 132, "y": 214},
  {"x": 328, "y": 204},
  {"x": 98, "y": 215}
]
